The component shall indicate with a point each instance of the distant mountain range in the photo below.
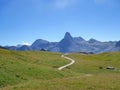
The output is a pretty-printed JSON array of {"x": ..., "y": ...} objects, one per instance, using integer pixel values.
[{"x": 70, "y": 44}]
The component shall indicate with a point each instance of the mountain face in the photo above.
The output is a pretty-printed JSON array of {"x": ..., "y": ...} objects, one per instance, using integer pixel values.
[
  {"x": 116, "y": 47},
  {"x": 38, "y": 44},
  {"x": 78, "y": 44},
  {"x": 42, "y": 44},
  {"x": 66, "y": 43},
  {"x": 24, "y": 48},
  {"x": 117, "y": 44},
  {"x": 71, "y": 44},
  {"x": 93, "y": 41},
  {"x": 79, "y": 39},
  {"x": 11, "y": 47}
]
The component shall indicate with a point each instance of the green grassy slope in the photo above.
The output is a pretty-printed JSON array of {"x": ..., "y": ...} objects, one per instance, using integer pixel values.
[
  {"x": 91, "y": 63},
  {"x": 16, "y": 67},
  {"x": 34, "y": 70}
]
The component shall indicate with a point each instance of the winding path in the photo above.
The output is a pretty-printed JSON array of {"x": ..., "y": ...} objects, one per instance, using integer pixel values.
[{"x": 72, "y": 62}]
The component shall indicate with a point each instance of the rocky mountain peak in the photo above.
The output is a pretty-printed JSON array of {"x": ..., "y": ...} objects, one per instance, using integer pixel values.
[
  {"x": 68, "y": 36},
  {"x": 79, "y": 39},
  {"x": 92, "y": 40}
]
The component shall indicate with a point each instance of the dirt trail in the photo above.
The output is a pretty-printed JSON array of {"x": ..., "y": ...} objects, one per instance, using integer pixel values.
[{"x": 72, "y": 62}]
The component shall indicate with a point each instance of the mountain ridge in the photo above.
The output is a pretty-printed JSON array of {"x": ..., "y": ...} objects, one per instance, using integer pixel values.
[{"x": 71, "y": 44}]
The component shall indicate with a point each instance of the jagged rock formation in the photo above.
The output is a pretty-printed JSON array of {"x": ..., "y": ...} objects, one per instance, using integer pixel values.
[{"x": 71, "y": 44}]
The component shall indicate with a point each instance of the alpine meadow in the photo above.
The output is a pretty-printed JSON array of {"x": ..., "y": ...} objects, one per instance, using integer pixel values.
[
  {"x": 36, "y": 70},
  {"x": 59, "y": 44}
]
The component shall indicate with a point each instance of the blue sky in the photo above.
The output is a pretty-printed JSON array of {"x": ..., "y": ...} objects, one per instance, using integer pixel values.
[{"x": 24, "y": 21}]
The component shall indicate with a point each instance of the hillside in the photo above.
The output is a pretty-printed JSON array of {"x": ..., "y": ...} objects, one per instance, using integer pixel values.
[
  {"x": 35, "y": 70},
  {"x": 18, "y": 67}
]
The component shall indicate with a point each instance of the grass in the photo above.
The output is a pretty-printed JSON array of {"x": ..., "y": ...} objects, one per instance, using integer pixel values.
[
  {"x": 91, "y": 63},
  {"x": 18, "y": 67},
  {"x": 35, "y": 70}
]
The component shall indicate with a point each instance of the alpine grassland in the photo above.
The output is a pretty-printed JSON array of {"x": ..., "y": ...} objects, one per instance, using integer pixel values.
[{"x": 36, "y": 70}]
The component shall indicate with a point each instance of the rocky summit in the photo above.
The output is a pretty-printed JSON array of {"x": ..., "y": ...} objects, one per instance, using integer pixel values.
[{"x": 71, "y": 44}]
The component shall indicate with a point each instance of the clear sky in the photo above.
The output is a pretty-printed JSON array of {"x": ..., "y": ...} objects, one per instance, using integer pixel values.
[{"x": 24, "y": 21}]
